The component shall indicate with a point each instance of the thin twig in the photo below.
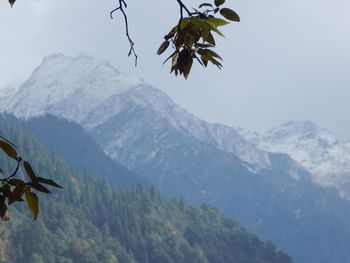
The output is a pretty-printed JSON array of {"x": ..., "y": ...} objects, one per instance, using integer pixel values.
[
  {"x": 122, "y": 5},
  {"x": 14, "y": 172},
  {"x": 184, "y": 7}
]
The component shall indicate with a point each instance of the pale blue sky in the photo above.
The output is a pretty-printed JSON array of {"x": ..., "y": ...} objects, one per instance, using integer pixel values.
[{"x": 286, "y": 60}]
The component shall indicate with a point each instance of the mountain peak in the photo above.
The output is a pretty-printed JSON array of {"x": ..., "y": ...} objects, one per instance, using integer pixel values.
[
  {"x": 318, "y": 150},
  {"x": 81, "y": 65},
  {"x": 81, "y": 83},
  {"x": 294, "y": 128},
  {"x": 53, "y": 56},
  {"x": 92, "y": 93},
  {"x": 301, "y": 125}
]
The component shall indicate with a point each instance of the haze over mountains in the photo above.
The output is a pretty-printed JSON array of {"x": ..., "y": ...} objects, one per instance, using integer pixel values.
[
  {"x": 142, "y": 129},
  {"x": 320, "y": 151}
]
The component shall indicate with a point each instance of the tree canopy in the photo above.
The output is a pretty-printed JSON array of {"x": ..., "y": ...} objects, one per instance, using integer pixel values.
[{"x": 92, "y": 221}]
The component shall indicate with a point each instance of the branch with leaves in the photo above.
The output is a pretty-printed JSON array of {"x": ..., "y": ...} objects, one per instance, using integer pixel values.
[
  {"x": 13, "y": 189},
  {"x": 193, "y": 37}
]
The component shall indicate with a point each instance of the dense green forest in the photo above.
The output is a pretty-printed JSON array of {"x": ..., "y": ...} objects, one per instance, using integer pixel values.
[{"x": 92, "y": 221}]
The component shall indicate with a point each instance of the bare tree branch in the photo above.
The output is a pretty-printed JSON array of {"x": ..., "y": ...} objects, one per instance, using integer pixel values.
[
  {"x": 121, "y": 7},
  {"x": 183, "y": 7}
]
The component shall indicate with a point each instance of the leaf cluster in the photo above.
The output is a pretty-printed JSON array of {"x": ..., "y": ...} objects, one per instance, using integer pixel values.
[
  {"x": 193, "y": 37},
  {"x": 14, "y": 189}
]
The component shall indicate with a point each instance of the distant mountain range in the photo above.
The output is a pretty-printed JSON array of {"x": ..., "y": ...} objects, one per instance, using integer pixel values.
[
  {"x": 320, "y": 151},
  {"x": 141, "y": 128}
]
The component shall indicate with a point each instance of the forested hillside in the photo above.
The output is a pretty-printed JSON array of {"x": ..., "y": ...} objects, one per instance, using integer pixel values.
[{"x": 91, "y": 221}]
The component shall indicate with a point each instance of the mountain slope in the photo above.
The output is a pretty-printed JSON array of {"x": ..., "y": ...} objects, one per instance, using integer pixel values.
[
  {"x": 320, "y": 151},
  {"x": 89, "y": 221},
  {"x": 90, "y": 91},
  {"x": 68, "y": 141},
  {"x": 143, "y": 129}
]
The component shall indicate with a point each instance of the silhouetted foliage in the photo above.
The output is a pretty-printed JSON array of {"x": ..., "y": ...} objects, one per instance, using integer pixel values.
[
  {"x": 13, "y": 188},
  {"x": 192, "y": 38}
]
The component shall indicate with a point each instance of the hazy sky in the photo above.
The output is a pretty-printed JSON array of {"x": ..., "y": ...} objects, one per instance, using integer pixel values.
[{"x": 286, "y": 60}]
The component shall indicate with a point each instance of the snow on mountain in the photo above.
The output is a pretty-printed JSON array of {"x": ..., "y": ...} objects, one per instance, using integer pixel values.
[
  {"x": 320, "y": 151},
  {"x": 143, "y": 129},
  {"x": 8, "y": 91},
  {"x": 79, "y": 84},
  {"x": 90, "y": 91}
]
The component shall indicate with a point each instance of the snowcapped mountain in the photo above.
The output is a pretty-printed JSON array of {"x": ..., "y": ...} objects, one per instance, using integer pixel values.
[
  {"x": 320, "y": 151},
  {"x": 90, "y": 91},
  {"x": 143, "y": 129},
  {"x": 81, "y": 84}
]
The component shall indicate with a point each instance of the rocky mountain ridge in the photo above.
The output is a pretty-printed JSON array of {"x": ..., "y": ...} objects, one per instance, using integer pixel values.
[{"x": 320, "y": 151}]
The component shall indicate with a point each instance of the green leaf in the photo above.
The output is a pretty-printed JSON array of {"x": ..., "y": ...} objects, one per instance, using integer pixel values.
[
  {"x": 174, "y": 63},
  {"x": 230, "y": 14},
  {"x": 200, "y": 45},
  {"x": 214, "y": 28},
  {"x": 163, "y": 47},
  {"x": 40, "y": 188},
  {"x": 178, "y": 40},
  {"x": 6, "y": 190},
  {"x": 48, "y": 181},
  {"x": 29, "y": 171},
  {"x": 16, "y": 182},
  {"x": 8, "y": 149},
  {"x": 187, "y": 68},
  {"x": 3, "y": 209},
  {"x": 12, "y": 2},
  {"x": 32, "y": 202},
  {"x": 195, "y": 33},
  {"x": 204, "y": 60},
  {"x": 207, "y": 57},
  {"x": 184, "y": 22},
  {"x": 184, "y": 62},
  {"x": 210, "y": 39},
  {"x": 219, "y": 2},
  {"x": 171, "y": 34},
  {"x": 16, "y": 195},
  {"x": 202, "y": 27},
  {"x": 215, "y": 62},
  {"x": 189, "y": 39},
  {"x": 172, "y": 55},
  {"x": 13, "y": 145},
  {"x": 209, "y": 52},
  {"x": 217, "y": 21},
  {"x": 199, "y": 61}
]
